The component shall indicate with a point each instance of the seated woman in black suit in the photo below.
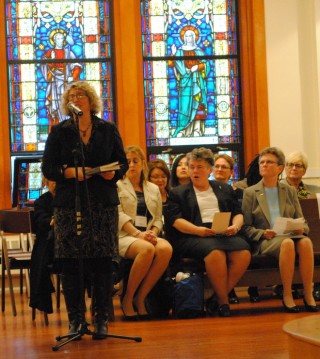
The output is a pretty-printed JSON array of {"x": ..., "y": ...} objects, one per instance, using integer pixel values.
[{"x": 189, "y": 215}]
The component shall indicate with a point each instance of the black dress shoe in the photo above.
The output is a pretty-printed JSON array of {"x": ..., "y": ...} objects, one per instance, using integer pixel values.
[
  {"x": 211, "y": 306},
  {"x": 233, "y": 298},
  {"x": 130, "y": 318},
  {"x": 224, "y": 310},
  {"x": 293, "y": 309},
  {"x": 144, "y": 316},
  {"x": 316, "y": 294},
  {"x": 74, "y": 328},
  {"x": 310, "y": 308},
  {"x": 100, "y": 330},
  {"x": 254, "y": 295}
]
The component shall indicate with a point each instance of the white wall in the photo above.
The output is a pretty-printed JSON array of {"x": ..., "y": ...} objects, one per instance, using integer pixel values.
[{"x": 293, "y": 65}]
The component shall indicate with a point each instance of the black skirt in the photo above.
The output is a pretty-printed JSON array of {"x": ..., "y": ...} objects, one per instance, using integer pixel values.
[
  {"x": 97, "y": 236},
  {"x": 199, "y": 247}
]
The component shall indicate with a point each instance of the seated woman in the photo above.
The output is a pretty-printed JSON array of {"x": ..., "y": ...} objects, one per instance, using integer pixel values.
[
  {"x": 262, "y": 204},
  {"x": 296, "y": 168},
  {"x": 140, "y": 222},
  {"x": 190, "y": 213},
  {"x": 179, "y": 171},
  {"x": 159, "y": 174},
  {"x": 223, "y": 171}
]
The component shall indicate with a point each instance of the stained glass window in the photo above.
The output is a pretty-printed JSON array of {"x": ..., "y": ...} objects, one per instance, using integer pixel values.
[
  {"x": 51, "y": 44},
  {"x": 27, "y": 180},
  {"x": 191, "y": 77}
]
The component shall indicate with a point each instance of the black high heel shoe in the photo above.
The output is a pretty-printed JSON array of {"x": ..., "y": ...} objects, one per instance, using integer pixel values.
[
  {"x": 129, "y": 318},
  {"x": 224, "y": 310},
  {"x": 211, "y": 306},
  {"x": 293, "y": 309},
  {"x": 310, "y": 308},
  {"x": 254, "y": 295},
  {"x": 145, "y": 316},
  {"x": 233, "y": 298}
]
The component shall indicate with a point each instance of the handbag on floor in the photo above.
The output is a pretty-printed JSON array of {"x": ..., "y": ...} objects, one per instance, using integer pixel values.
[{"x": 188, "y": 301}]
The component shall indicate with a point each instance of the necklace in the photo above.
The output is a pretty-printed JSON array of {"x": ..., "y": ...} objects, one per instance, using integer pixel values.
[{"x": 84, "y": 132}]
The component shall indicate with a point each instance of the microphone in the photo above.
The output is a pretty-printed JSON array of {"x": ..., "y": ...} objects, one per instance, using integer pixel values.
[{"x": 74, "y": 109}]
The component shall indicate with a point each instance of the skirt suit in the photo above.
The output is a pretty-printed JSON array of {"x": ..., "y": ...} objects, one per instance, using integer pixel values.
[
  {"x": 183, "y": 204},
  {"x": 257, "y": 217}
]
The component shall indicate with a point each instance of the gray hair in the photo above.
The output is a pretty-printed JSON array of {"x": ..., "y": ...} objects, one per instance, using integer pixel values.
[
  {"x": 201, "y": 153},
  {"x": 276, "y": 152}
]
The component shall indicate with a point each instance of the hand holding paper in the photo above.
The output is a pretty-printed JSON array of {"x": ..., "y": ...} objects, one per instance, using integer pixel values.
[
  {"x": 284, "y": 225},
  {"x": 220, "y": 222},
  {"x": 105, "y": 168}
]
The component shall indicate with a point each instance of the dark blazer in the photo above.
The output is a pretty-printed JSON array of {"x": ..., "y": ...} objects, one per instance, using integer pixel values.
[
  {"x": 105, "y": 146},
  {"x": 257, "y": 215},
  {"x": 183, "y": 204}
]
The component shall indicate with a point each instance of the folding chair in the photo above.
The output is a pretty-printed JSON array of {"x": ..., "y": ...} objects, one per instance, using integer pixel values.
[{"x": 17, "y": 222}]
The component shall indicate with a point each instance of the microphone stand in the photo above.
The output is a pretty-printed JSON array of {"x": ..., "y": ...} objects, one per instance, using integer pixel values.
[{"x": 83, "y": 327}]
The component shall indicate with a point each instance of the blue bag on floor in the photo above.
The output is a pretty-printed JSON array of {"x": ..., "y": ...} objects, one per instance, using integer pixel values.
[{"x": 188, "y": 301}]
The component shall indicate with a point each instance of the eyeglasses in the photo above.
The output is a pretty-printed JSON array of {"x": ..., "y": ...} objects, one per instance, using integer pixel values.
[
  {"x": 78, "y": 96},
  {"x": 296, "y": 165},
  {"x": 222, "y": 167},
  {"x": 267, "y": 163}
]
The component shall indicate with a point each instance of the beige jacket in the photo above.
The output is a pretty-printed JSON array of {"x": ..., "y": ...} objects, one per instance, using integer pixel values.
[{"x": 128, "y": 204}]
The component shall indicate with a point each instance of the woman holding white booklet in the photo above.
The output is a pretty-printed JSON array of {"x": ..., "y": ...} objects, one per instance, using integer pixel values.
[
  {"x": 262, "y": 204},
  {"x": 189, "y": 217}
]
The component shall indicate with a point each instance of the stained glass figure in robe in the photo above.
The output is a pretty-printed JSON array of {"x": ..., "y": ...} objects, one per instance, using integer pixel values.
[
  {"x": 191, "y": 75},
  {"x": 58, "y": 74}
]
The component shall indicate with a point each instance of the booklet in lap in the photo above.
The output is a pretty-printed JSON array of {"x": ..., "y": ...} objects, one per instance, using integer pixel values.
[{"x": 221, "y": 221}]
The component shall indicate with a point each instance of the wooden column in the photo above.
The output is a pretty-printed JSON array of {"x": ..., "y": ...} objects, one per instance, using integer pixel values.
[
  {"x": 253, "y": 77},
  {"x": 129, "y": 73}
]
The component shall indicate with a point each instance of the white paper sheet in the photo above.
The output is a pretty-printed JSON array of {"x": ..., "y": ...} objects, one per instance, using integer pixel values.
[
  {"x": 221, "y": 221},
  {"x": 284, "y": 225}
]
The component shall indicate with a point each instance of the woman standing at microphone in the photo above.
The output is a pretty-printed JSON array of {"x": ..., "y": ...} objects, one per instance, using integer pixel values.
[{"x": 75, "y": 145}]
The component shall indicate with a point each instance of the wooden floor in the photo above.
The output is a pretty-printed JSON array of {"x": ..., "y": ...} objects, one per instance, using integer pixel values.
[{"x": 253, "y": 331}]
